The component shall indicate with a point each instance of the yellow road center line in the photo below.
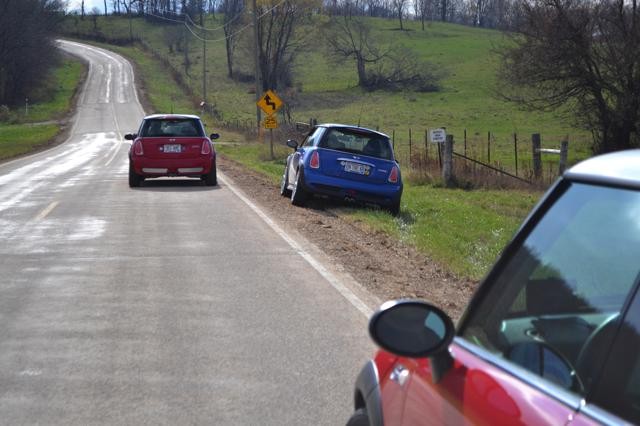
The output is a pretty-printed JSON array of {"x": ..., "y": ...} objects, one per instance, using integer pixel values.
[{"x": 44, "y": 213}]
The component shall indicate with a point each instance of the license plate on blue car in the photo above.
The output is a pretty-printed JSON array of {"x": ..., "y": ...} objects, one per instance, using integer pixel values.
[{"x": 360, "y": 169}]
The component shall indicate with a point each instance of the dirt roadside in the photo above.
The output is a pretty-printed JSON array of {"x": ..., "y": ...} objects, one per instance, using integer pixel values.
[{"x": 384, "y": 266}]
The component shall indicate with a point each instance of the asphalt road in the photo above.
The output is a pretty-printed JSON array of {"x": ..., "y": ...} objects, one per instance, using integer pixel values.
[{"x": 174, "y": 303}]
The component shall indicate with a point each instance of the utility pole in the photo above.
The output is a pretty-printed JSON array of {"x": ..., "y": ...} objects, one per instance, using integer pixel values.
[
  {"x": 257, "y": 62},
  {"x": 204, "y": 69}
]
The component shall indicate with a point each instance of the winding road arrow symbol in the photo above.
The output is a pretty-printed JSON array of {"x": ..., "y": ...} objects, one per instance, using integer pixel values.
[{"x": 268, "y": 101}]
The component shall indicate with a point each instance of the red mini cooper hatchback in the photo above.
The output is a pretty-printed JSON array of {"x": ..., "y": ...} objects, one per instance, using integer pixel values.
[
  {"x": 171, "y": 145},
  {"x": 552, "y": 336}
]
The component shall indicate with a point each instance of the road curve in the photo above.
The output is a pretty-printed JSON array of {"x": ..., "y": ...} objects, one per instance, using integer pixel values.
[{"x": 173, "y": 303}]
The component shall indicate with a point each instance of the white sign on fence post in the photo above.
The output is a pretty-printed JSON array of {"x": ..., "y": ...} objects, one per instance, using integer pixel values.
[{"x": 438, "y": 135}]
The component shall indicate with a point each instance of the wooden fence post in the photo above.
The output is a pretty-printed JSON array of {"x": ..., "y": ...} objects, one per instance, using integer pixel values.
[
  {"x": 447, "y": 162},
  {"x": 426, "y": 147},
  {"x": 564, "y": 151},
  {"x": 410, "y": 143},
  {"x": 393, "y": 139},
  {"x": 465, "y": 142},
  {"x": 488, "y": 147},
  {"x": 515, "y": 150},
  {"x": 536, "y": 156}
]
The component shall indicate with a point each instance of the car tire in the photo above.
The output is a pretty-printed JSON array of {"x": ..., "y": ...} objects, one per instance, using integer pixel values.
[
  {"x": 394, "y": 208},
  {"x": 298, "y": 194},
  {"x": 212, "y": 178},
  {"x": 359, "y": 418},
  {"x": 284, "y": 191},
  {"x": 134, "y": 179}
]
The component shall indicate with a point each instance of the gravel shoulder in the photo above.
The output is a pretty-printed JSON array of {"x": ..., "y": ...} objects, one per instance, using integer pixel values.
[{"x": 385, "y": 267}]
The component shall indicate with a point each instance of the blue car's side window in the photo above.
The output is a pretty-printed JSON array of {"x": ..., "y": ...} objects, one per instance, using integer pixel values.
[{"x": 310, "y": 140}]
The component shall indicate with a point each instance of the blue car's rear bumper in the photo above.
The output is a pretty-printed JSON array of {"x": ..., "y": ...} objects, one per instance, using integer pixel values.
[{"x": 384, "y": 193}]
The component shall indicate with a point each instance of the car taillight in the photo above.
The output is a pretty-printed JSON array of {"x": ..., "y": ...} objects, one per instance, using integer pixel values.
[
  {"x": 393, "y": 176},
  {"x": 206, "y": 148},
  {"x": 137, "y": 147},
  {"x": 314, "y": 163}
]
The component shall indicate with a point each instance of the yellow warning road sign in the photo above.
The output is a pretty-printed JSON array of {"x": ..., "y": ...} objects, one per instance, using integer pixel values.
[
  {"x": 270, "y": 122},
  {"x": 270, "y": 103}
]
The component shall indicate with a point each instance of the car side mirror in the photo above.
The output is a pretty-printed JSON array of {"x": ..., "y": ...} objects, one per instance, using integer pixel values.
[
  {"x": 292, "y": 144},
  {"x": 414, "y": 329},
  {"x": 214, "y": 136},
  {"x": 130, "y": 136}
]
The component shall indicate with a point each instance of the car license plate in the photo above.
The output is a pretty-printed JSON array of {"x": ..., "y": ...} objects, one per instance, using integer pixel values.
[
  {"x": 360, "y": 169},
  {"x": 173, "y": 148}
]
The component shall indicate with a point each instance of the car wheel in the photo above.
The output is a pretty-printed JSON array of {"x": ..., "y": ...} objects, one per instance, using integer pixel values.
[
  {"x": 394, "y": 208},
  {"x": 284, "y": 191},
  {"x": 134, "y": 179},
  {"x": 359, "y": 418},
  {"x": 212, "y": 178},
  {"x": 299, "y": 195}
]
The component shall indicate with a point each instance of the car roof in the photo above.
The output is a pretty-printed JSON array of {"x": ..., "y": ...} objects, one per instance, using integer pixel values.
[
  {"x": 617, "y": 168},
  {"x": 351, "y": 127},
  {"x": 170, "y": 116}
]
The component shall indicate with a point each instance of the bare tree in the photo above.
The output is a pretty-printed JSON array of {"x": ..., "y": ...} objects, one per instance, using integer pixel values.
[
  {"x": 350, "y": 37},
  {"x": 399, "y": 6},
  {"x": 583, "y": 56},
  {"x": 277, "y": 45},
  {"x": 232, "y": 10}
]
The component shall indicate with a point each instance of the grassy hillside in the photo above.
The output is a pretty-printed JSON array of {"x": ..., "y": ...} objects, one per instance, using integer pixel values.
[
  {"x": 327, "y": 90},
  {"x": 26, "y": 130}
]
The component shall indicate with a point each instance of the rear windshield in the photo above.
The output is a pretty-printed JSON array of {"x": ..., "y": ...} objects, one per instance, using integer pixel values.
[
  {"x": 347, "y": 140},
  {"x": 172, "y": 127}
]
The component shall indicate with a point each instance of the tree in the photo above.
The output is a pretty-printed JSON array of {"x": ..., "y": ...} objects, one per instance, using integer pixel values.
[
  {"x": 350, "y": 37},
  {"x": 581, "y": 56},
  {"x": 277, "y": 45},
  {"x": 395, "y": 68},
  {"x": 232, "y": 10},
  {"x": 27, "y": 48},
  {"x": 399, "y": 6}
]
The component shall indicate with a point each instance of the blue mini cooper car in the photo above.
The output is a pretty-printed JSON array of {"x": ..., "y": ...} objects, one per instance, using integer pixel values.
[{"x": 345, "y": 162}]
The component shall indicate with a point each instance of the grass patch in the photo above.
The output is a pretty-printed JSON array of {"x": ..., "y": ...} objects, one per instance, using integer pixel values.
[
  {"x": 27, "y": 132},
  {"x": 18, "y": 139}
]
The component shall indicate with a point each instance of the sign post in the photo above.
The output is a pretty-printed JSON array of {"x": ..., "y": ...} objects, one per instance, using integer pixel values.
[
  {"x": 438, "y": 135},
  {"x": 270, "y": 103}
]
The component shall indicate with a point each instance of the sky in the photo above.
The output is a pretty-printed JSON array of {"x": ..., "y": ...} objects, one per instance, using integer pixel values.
[{"x": 88, "y": 5}]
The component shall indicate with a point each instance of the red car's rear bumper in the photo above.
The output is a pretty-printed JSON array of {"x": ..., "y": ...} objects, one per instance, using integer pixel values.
[{"x": 194, "y": 167}]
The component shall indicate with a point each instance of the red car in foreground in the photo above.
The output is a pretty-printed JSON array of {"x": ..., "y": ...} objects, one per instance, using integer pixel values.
[
  {"x": 171, "y": 145},
  {"x": 552, "y": 335}
]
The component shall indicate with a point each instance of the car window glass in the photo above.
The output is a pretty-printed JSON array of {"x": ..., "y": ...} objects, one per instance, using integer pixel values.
[
  {"x": 171, "y": 128},
  {"x": 619, "y": 389},
  {"x": 355, "y": 142},
  {"x": 310, "y": 140},
  {"x": 563, "y": 289}
]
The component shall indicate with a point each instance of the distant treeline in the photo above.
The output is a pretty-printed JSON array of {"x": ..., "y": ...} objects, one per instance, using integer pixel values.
[{"x": 500, "y": 14}]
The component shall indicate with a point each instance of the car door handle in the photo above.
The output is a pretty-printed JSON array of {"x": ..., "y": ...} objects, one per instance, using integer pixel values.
[{"x": 400, "y": 374}]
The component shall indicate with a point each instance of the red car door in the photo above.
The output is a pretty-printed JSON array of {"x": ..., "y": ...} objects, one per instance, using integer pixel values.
[{"x": 476, "y": 391}]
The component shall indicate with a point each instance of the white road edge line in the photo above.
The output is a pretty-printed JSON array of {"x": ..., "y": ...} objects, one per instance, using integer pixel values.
[
  {"x": 335, "y": 282},
  {"x": 44, "y": 213}
]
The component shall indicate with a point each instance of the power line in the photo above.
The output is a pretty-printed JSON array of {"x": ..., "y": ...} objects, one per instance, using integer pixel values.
[{"x": 239, "y": 15}]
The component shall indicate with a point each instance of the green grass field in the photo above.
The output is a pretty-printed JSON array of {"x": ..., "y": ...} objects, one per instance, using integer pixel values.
[{"x": 29, "y": 130}]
